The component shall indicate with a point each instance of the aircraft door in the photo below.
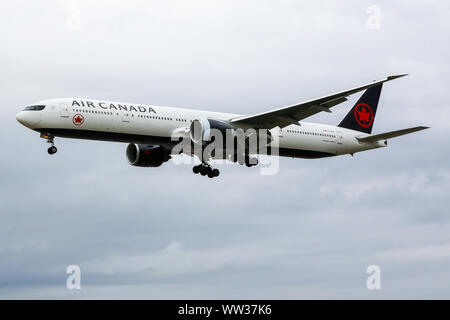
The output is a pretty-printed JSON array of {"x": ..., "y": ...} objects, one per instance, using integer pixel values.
[
  {"x": 340, "y": 138},
  {"x": 125, "y": 116},
  {"x": 280, "y": 132},
  {"x": 64, "y": 110}
]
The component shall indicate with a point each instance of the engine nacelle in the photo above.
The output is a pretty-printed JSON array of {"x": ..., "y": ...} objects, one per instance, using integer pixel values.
[
  {"x": 141, "y": 155},
  {"x": 200, "y": 129}
]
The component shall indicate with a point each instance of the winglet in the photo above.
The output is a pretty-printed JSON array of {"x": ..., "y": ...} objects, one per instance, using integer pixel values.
[{"x": 397, "y": 76}]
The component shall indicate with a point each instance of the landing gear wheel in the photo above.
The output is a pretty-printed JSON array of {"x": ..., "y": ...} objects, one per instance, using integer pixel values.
[
  {"x": 213, "y": 173},
  {"x": 52, "y": 150},
  {"x": 204, "y": 170},
  {"x": 208, "y": 170}
]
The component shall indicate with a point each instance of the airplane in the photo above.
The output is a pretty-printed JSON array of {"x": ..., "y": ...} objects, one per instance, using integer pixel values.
[{"x": 149, "y": 129}]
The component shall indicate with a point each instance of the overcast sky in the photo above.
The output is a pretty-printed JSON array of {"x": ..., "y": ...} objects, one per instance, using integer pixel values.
[{"x": 309, "y": 231}]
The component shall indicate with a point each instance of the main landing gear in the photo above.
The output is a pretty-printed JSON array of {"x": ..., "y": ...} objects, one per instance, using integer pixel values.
[{"x": 206, "y": 170}]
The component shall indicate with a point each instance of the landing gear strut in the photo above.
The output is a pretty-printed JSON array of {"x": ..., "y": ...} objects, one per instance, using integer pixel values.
[{"x": 206, "y": 170}]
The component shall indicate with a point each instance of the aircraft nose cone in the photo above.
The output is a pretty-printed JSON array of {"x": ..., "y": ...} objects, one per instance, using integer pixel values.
[
  {"x": 29, "y": 120},
  {"x": 20, "y": 117}
]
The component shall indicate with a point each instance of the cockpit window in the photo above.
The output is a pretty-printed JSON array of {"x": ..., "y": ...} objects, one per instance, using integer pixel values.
[{"x": 34, "y": 108}]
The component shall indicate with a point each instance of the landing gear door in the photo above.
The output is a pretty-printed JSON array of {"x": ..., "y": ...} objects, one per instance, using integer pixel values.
[{"x": 64, "y": 110}]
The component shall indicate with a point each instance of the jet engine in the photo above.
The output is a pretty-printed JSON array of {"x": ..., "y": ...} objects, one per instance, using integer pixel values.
[
  {"x": 201, "y": 131},
  {"x": 141, "y": 155}
]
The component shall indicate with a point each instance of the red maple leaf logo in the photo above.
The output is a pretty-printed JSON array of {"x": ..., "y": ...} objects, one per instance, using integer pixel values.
[
  {"x": 78, "y": 119},
  {"x": 363, "y": 115}
]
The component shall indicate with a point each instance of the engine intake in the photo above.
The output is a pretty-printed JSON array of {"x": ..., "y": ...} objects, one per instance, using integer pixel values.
[
  {"x": 200, "y": 129},
  {"x": 141, "y": 155}
]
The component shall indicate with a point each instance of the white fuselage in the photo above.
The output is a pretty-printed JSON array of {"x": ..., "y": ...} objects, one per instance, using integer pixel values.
[{"x": 137, "y": 123}]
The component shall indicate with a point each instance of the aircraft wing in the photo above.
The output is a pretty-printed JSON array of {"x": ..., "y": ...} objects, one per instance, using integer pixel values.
[
  {"x": 391, "y": 134},
  {"x": 282, "y": 117}
]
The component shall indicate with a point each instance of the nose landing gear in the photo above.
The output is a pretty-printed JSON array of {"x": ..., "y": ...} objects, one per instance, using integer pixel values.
[
  {"x": 206, "y": 170},
  {"x": 52, "y": 149}
]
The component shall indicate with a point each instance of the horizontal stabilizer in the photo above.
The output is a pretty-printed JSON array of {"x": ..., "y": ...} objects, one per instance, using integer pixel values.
[{"x": 391, "y": 134}]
